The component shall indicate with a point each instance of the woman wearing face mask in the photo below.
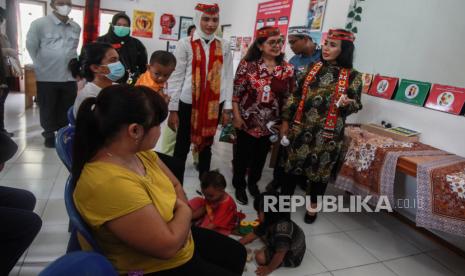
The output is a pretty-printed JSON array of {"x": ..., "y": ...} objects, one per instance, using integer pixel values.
[
  {"x": 99, "y": 64},
  {"x": 314, "y": 118},
  {"x": 261, "y": 87},
  {"x": 131, "y": 51}
]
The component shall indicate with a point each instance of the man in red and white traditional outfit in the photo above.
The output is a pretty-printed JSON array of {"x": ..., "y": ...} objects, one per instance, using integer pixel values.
[{"x": 200, "y": 87}]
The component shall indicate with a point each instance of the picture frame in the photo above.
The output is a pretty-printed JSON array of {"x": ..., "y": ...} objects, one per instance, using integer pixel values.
[
  {"x": 184, "y": 24},
  {"x": 224, "y": 31}
]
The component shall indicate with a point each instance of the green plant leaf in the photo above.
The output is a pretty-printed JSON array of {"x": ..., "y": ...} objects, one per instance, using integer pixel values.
[
  {"x": 355, "y": 30},
  {"x": 349, "y": 26},
  {"x": 351, "y": 14},
  {"x": 358, "y": 18},
  {"x": 358, "y": 10}
]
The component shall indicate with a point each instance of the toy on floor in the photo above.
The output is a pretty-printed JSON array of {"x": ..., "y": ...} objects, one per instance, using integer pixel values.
[{"x": 246, "y": 227}]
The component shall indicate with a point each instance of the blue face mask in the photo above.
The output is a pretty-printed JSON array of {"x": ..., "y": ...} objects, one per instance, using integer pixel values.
[
  {"x": 117, "y": 71},
  {"x": 121, "y": 31}
]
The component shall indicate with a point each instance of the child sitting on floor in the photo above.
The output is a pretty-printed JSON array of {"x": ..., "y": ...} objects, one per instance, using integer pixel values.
[
  {"x": 284, "y": 239},
  {"x": 162, "y": 65},
  {"x": 217, "y": 210}
]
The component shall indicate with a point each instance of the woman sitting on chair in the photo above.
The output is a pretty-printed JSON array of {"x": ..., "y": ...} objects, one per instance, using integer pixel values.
[
  {"x": 99, "y": 64},
  {"x": 134, "y": 205}
]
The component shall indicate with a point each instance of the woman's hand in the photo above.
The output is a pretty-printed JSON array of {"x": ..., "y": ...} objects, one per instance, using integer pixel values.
[
  {"x": 238, "y": 122},
  {"x": 173, "y": 121},
  {"x": 226, "y": 117},
  {"x": 284, "y": 130},
  {"x": 345, "y": 101}
]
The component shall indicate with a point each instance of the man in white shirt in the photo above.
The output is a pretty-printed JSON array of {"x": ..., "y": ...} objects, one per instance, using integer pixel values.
[
  {"x": 52, "y": 42},
  {"x": 196, "y": 103}
]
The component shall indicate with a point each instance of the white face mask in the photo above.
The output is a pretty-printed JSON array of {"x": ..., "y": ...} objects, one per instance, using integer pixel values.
[{"x": 63, "y": 10}]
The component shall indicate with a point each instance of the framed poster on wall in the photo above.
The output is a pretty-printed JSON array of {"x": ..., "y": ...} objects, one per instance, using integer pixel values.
[
  {"x": 316, "y": 14},
  {"x": 184, "y": 24},
  {"x": 143, "y": 23},
  {"x": 446, "y": 98},
  {"x": 169, "y": 27},
  {"x": 275, "y": 13},
  {"x": 412, "y": 92},
  {"x": 383, "y": 87}
]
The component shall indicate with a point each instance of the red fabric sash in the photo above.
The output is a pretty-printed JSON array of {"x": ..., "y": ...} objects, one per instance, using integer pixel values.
[
  {"x": 205, "y": 93},
  {"x": 309, "y": 79},
  {"x": 333, "y": 113}
]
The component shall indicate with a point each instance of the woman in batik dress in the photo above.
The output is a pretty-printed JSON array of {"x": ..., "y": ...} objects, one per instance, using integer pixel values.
[{"x": 314, "y": 118}]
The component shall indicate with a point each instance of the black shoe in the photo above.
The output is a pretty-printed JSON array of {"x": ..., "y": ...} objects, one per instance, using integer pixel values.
[
  {"x": 50, "y": 142},
  {"x": 309, "y": 219},
  {"x": 241, "y": 196},
  {"x": 253, "y": 190}
]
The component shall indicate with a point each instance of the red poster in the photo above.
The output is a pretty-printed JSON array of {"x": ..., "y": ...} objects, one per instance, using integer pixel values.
[
  {"x": 383, "y": 87},
  {"x": 276, "y": 13},
  {"x": 446, "y": 98}
]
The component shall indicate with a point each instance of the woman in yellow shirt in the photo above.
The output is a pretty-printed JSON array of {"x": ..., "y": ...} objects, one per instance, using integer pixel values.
[{"x": 135, "y": 207}]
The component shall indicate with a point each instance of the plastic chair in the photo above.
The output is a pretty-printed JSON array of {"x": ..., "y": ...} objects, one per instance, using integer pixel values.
[
  {"x": 70, "y": 115},
  {"x": 64, "y": 145},
  {"x": 78, "y": 224},
  {"x": 78, "y": 264}
]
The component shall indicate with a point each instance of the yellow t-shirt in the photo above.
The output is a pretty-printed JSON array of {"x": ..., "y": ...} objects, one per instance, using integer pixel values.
[{"x": 107, "y": 191}]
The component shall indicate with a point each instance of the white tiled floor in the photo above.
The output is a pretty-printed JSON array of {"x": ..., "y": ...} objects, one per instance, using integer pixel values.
[{"x": 338, "y": 244}]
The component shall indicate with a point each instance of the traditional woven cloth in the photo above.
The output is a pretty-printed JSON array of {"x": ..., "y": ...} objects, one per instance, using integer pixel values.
[
  {"x": 441, "y": 195},
  {"x": 205, "y": 93},
  {"x": 370, "y": 163}
]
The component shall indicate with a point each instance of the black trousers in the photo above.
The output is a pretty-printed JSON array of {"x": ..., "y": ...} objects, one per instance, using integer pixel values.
[
  {"x": 19, "y": 225},
  {"x": 214, "y": 254},
  {"x": 314, "y": 189},
  {"x": 3, "y": 95},
  {"x": 175, "y": 165},
  {"x": 251, "y": 153},
  {"x": 183, "y": 140},
  {"x": 54, "y": 100}
]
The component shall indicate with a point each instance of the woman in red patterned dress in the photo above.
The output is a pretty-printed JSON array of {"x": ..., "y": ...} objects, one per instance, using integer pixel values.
[{"x": 262, "y": 85}]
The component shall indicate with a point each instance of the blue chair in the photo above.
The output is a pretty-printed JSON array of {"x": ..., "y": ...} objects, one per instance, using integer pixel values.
[
  {"x": 70, "y": 114},
  {"x": 78, "y": 264},
  {"x": 77, "y": 223},
  {"x": 64, "y": 141}
]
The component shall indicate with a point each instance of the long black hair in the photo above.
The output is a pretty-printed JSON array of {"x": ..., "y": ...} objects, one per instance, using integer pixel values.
[
  {"x": 100, "y": 119},
  {"x": 271, "y": 217},
  {"x": 91, "y": 54},
  {"x": 346, "y": 57},
  {"x": 254, "y": 53}
]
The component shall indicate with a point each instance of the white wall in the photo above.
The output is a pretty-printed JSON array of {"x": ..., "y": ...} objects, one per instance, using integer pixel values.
[
  {"x": 421, "y": 40},
  {"x": 241, "y": 14},
  {"x": 176, "y": 7}
]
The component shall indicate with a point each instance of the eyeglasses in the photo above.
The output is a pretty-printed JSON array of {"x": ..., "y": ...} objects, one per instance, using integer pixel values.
[{"x": 273, "y": 42}]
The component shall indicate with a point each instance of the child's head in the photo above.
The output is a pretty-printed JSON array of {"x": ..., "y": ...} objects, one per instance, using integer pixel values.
[
  {"x": 162, "y": 65},
  {"x": 213, "y": 184},
  {"x": 269, "y": 217}
]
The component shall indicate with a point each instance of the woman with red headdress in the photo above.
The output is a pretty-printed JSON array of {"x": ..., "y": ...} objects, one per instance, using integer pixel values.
[
  {"x": 262, "y": 85},
  {"x": 314, "y": 118}
]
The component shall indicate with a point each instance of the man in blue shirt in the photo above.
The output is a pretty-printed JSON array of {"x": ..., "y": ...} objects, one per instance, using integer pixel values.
[
  {"x": 306, "y": 53},
  {"x": 304, "y": 48}
]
